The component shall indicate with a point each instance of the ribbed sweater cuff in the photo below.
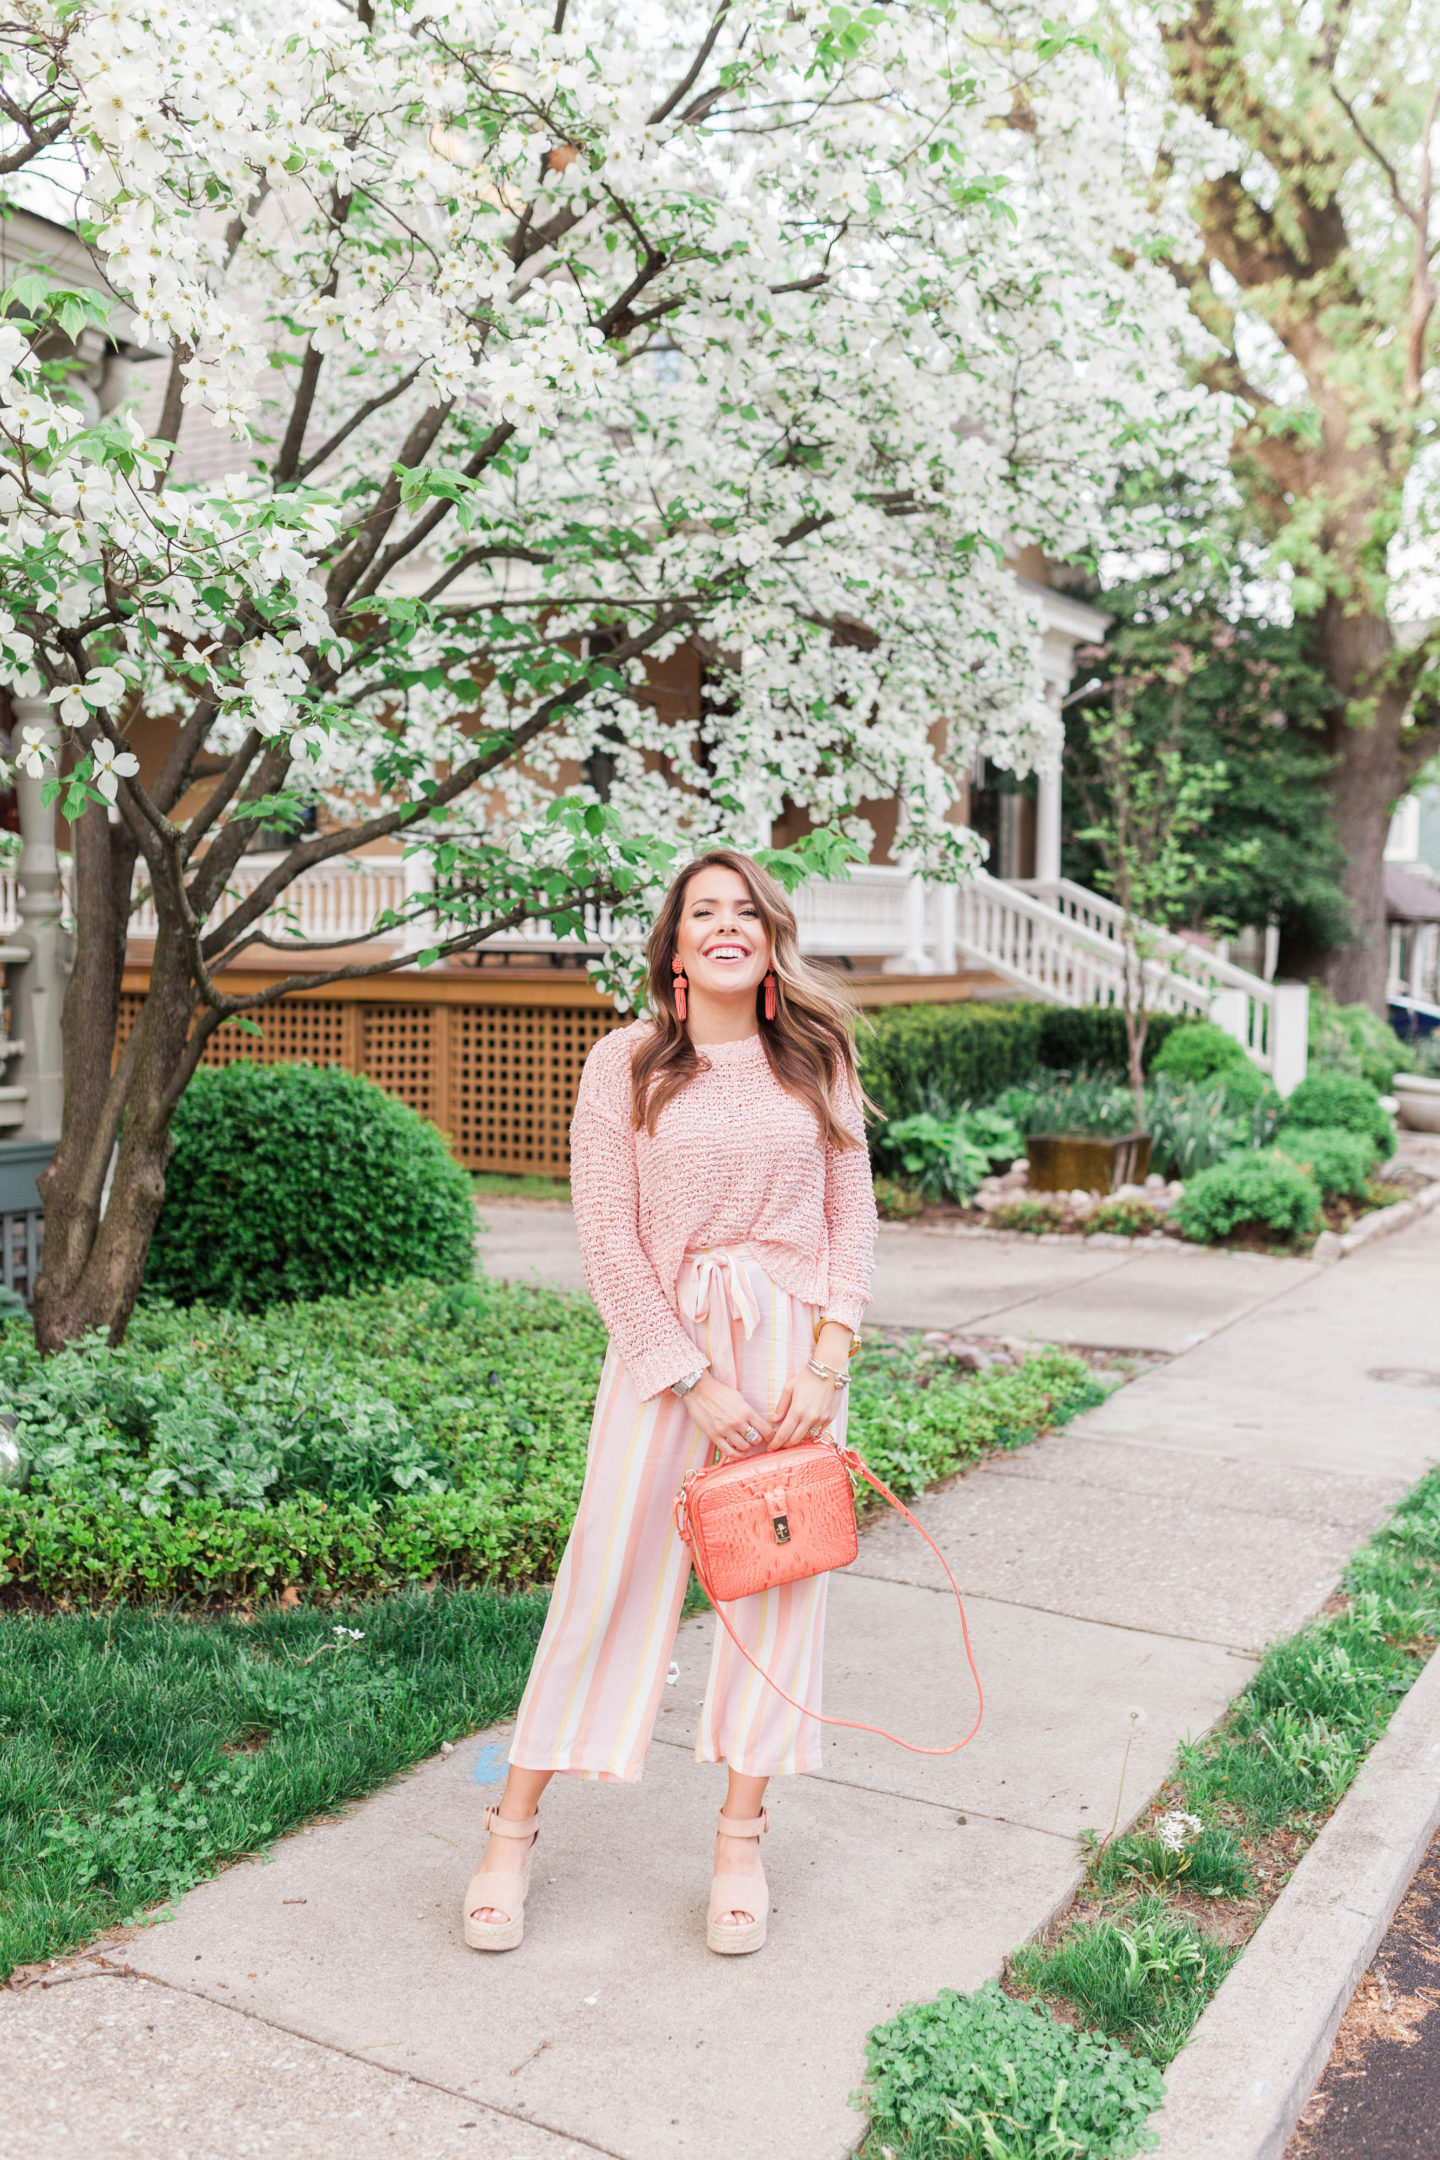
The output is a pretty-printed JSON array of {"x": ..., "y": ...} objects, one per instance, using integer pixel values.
[
  {"x": 655, "y": 1370},
  {"x": 846, "y": 1306}
]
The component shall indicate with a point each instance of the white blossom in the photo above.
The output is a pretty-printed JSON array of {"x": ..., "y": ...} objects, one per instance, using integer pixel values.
[
  {"x": 111, "y": 766},
  {"x": 767, "y": 380}
]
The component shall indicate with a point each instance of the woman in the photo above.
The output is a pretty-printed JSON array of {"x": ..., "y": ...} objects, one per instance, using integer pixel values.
[{"x": 723, "y": 1200}]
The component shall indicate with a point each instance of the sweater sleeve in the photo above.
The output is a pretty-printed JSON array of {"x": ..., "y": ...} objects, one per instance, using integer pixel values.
[
  {"x": 605, "y": 1189},
  {"x": 849, "y": 1218}
]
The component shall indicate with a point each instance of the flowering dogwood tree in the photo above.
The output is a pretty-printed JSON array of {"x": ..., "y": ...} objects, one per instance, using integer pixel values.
[{"x": 544, "y": 341}]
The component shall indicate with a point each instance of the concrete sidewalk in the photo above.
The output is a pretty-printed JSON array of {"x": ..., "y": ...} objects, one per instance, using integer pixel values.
[
  {"x": 1164, "y": 1297},
  {"x": 1135, "y": 1563}
]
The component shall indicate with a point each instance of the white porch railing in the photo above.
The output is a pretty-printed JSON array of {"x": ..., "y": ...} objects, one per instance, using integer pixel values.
[
  {"x": 334, "y": 901},
  {"x": 1066, "y": 942},
  {"x": 1056, "y": 941}
]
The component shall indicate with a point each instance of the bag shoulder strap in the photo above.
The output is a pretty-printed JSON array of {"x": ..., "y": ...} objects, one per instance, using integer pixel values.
[{"x": 852, "y": 1461}]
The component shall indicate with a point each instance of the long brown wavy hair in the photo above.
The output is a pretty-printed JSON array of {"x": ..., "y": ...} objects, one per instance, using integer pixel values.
[{"x": 810, "y": 1044}]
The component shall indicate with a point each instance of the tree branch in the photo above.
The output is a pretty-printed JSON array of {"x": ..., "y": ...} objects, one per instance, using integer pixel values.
[
  {"x": 325, "y": 847},
  {"x": 692, "y": 75},
  {"x": 357, "y": 419}
]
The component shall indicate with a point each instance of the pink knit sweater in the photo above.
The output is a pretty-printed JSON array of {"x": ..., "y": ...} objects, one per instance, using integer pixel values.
[{"x": 734, "y": 1160}]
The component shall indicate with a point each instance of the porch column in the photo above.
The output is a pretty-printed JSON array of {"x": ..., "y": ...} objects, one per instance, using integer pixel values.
[
  {"x": 1047, "y": 828},
  {"x": 1047, "y": 798},
  {"x": 38, "y": 984}
]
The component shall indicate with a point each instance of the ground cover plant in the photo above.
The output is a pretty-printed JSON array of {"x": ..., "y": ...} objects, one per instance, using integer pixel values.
[
  {"x": 435, "y": 1433},
  {"x": 944, "y": 1158},
  {"x": 1165, "y": 1909},
  {"x": 142, "y": 1750},
  {"x": 980, "y": 2077}
]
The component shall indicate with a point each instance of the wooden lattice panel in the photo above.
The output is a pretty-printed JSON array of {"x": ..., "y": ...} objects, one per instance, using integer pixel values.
[
  {"x": 318, "y": 1032},
  {"x": 398, "y": 1049},
  {"x": 514, "y": 1070},
  {"x": 499, "y": 1080}
]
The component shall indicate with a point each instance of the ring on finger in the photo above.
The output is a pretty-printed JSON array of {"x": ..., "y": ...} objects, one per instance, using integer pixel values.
[{"x": 749, "y": 1436}]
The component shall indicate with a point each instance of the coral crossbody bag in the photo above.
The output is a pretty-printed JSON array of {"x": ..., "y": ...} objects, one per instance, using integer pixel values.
[{"x": 761, "y": 1520}]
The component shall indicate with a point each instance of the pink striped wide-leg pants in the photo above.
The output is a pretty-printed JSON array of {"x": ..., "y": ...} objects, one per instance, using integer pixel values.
[{"x": 595, "y": 1687}]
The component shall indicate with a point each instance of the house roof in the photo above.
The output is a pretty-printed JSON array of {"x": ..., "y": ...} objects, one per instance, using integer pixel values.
[{"x": 1410, "y": 899}]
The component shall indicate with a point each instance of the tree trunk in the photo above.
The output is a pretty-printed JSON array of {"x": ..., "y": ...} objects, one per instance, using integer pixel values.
[
  {"x": 1369, "y": 777},
  {"x": 94, "y": 1263}
]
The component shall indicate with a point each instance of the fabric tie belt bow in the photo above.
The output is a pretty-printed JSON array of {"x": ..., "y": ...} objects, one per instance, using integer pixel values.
[{"x": 699, "y": 1275}]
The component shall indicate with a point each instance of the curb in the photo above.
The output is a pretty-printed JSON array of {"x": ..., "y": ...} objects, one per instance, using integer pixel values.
[
  {"x": 1235, "y": 2091},
  {"x": 1331, "y": 1246}
]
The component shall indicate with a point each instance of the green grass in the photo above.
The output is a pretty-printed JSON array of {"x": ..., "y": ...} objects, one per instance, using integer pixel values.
[
  {"x": 1133, "y": 1962},
  {"x": 498, "y": 1185},
  {"x": 142, "y": 1751},
  {"x": 1211, "y": 1864},
  {"x": 1142, "y": 1977}
]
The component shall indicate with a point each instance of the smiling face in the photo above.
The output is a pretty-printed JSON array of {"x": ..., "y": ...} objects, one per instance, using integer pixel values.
[{"x": 722, "y": 941}]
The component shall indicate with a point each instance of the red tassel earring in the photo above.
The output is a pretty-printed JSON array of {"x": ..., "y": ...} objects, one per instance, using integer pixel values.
[
  {"x": 770, "y": 996},
  {"x": 680, "y": 986}
]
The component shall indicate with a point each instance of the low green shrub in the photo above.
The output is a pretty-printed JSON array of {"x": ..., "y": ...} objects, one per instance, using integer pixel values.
[
  {"x": 1263, "y": 1192},
  {"x": 934, "y": 1058},
  {"x": 1198, "y": 1050},
  {"x": 1334, "y": 1098},
  {"x": 1353, "y": 1039},
  {"x": 979, "y": 2077},
  {"x": 1143, "y": 1977},
  {"x": 1340, "y": 1161},
  {"x": 291, "y": 1182},
  {"x": 486, "y": 1390}
]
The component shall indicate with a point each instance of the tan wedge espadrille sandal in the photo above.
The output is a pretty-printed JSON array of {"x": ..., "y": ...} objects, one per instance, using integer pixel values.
[
  {"x": 739, "y": 1893},
  {"x": 509, "y": 1890}
]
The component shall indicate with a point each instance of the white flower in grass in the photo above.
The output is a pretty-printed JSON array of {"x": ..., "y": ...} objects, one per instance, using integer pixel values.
[
  {"x": 350, "y": 1634},
  {"x": 1175, "y": 1830},
  {"x": 112, "y": 765}
]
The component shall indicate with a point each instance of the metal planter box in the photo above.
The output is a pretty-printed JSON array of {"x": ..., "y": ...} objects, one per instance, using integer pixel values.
[{"x": 1075, "y": 1162}]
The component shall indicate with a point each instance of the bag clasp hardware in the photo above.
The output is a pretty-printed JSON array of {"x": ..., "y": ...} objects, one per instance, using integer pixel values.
[{"x": 778, "y": 1502}]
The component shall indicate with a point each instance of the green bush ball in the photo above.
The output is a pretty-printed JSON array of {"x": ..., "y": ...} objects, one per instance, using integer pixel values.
[
  {"x": 289, "y": 1182},
  {"x": 1264, "y": 1191},
  {"x": 1336, "y": 1098},
  {"x": 1199, "y": 1050},
  {"x": 1339, "y": 1161}
]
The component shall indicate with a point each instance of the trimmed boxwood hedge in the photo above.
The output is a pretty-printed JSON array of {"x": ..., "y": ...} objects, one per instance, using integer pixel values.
[
  {"x": 1093, "y": 1037},
  {"x": 923, "y": 1057},
  {"x": 292, "y": 1182}
]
